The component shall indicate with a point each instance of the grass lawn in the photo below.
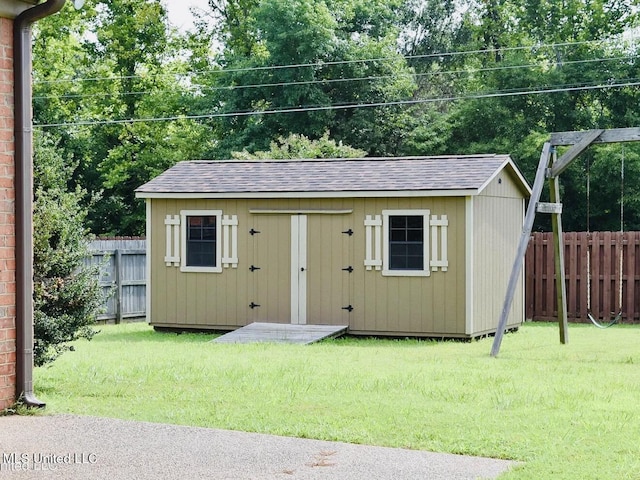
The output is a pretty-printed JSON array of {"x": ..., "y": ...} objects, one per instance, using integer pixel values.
[{"x": 567, "y": 411}]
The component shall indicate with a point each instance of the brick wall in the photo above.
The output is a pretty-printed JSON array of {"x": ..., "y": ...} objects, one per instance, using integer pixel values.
[{"x": 7, "y": 220}]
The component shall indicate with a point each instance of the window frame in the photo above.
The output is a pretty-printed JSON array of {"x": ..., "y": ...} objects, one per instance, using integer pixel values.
[
  {"x": 184, "y": 225},
  {"x": 386, "y": 270}
]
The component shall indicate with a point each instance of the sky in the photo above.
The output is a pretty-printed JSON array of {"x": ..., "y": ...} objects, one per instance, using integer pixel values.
[{"x": 179, "y": 14}]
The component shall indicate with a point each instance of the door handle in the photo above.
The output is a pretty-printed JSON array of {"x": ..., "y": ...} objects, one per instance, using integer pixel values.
[{"x": 302, "y": 269}]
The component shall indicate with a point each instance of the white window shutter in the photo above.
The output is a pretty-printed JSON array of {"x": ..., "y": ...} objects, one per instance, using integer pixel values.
[
  {"x": 230, "y": 241},
  {"x": 373, "y": 242},
  {"x": 439, "y": 243},
  {"x": 172, "y": 252}
]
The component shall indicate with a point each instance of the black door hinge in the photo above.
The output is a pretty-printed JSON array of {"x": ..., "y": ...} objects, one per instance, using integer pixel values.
[
  {"x": 253, "y": 305},
  {"x": 253, "y": 232},
  {"x": 253, "y": 268},
  {"x": 348, "y": 232},
  {"x": 348, "y": 269},
  {"x": 348, "y": 308}
]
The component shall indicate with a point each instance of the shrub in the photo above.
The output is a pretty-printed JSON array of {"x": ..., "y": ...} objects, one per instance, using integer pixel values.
[{"x": 67, "y": 293}]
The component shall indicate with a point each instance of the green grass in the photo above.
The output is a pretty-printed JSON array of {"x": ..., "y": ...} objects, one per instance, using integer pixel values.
[{"x": 567, "y": 411}]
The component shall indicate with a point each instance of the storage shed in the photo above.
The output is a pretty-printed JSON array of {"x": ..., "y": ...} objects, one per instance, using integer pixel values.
[{"x": 412, "y": 246}]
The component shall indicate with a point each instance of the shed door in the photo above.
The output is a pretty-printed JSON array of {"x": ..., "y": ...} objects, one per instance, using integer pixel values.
[
  {"x": 270, "y": 272},
  {"x": 304, "y": 269},
  {"x": 330, "y": 269}
]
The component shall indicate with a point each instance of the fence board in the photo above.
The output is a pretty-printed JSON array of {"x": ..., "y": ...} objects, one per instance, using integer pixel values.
[
  {"x": 529, "y": 262},
  {"x": 549, "y": 270},
  {"x": 631, "y": 273},
  {"x": 607, "y": 249},
  {"x": 573, "y": 277}
]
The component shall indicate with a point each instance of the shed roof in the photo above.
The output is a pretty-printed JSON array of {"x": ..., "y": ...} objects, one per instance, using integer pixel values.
[{"x": 436, "y": 175}]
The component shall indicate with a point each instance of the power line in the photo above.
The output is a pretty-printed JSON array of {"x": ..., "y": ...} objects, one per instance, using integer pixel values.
[
  {"x": 331, "y": 63},
  {"x": 506, "y": 93},
  {"x": 336, "y": 80}
]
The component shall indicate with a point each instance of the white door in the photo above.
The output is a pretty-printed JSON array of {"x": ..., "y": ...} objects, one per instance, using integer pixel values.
[{"x": 299, "y": 269}]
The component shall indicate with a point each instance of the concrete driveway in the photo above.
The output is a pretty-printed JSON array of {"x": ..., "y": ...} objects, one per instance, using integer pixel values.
[{"x": 76, "y": 447}]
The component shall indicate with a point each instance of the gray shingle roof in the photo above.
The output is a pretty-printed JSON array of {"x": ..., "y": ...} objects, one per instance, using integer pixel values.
[{"x": 468, "y": 172}]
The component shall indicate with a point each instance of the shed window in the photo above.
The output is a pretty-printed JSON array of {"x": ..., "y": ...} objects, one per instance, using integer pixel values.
[
  {"x": 201, "y": 240},
  {"x": 405, "y": 243}
]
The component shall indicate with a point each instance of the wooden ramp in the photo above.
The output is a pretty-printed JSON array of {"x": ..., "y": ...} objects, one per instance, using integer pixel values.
[{"x": 281, "y": 333}]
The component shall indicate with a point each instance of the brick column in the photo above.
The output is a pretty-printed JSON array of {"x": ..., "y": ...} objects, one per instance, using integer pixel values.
[{"x": 7, "y": 220}]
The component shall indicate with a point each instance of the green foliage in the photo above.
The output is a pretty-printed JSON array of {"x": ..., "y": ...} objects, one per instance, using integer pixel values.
[
  {"x": 20, "y": 408},
  {"x": 572, "y": 46},
  {"x": 67, "y": 294},
  {"x": 129, "y": 50},
  {"x": 311, "y": 36},
  {"x": 296, "y": 31},
  {"x": 256, "y": 71},
  {"x": 299, "y": 146}
]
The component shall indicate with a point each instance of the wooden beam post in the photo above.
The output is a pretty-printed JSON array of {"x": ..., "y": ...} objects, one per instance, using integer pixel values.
[
  {"x": 569, "y": 156},
  {"x": 612, "y": 135},
  {"x": 518, "y": 263},
  {"x": 558, "y": 249}
]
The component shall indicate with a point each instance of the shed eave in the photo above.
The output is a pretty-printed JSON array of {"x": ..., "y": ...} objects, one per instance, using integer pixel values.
[
  {"x": 340, "y": 194},
  {"x": 509, "y": 165},
  {"x": 12, "y": 8}
]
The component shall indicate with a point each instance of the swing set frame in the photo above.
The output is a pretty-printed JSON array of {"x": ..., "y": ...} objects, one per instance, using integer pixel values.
[{"x": 550, "y": 167}]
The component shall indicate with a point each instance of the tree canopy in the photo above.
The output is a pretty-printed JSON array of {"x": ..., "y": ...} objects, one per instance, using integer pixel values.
[{"x": 127, "y": 96}]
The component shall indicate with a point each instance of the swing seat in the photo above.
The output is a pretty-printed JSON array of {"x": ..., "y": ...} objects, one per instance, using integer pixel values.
[
  {"x": 618, "y": 317},
  {"x": 598, "y": 324}
]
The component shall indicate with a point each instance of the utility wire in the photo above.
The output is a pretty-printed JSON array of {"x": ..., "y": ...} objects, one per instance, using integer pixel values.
[
  {"x": 552, "y": 89},
  {"x": 331, "y": 63},
  {"x": 335, "y": 80}
]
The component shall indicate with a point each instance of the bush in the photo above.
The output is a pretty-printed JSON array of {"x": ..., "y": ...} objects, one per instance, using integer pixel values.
[{"x": 67, "y": 293}]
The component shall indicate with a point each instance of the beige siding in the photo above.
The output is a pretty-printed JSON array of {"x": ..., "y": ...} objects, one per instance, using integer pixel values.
[
  {"x": 423, "y": 306},
  {"x": 194, "y": 299},
  {"x": 497, "y": 219},
  {"x": 433, "y": 305}
]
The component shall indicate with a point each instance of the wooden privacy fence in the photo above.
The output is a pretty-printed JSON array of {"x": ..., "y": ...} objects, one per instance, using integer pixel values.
[
  {"x": 606, "y": 248},
  {"x": 123, "y": 277}
]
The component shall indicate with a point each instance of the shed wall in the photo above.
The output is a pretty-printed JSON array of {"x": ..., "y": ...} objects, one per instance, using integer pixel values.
[
  {"x": 198, "y": 300},
  {"x": 497, "y": 218},
  {"x": 433, "y": 305}
]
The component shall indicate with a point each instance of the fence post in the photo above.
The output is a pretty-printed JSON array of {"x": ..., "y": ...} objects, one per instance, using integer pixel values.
[{"x": 118, "y": 275}]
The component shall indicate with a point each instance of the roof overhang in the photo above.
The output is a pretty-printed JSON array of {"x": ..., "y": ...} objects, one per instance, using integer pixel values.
[
  {"x": 511, "y": 167},
  {"x": 12, "y": 8},
  {"x": 350, "y": 194}
]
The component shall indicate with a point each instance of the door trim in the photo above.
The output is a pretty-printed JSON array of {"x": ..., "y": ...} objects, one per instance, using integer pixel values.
[
  {"x": 276, "y": 211},
  {"x": 299, "y": 269}
]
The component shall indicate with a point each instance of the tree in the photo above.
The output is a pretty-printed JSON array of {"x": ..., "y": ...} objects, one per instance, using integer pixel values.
[
  {"x": 573, "y": 49},
  {"x": 316, "y": 60},
  {"x": 380, "y": 75},
  {"x": 299, "y": 146},
  {"x": 67, "y": 293},
  {"x": 117, "y": 76}
]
